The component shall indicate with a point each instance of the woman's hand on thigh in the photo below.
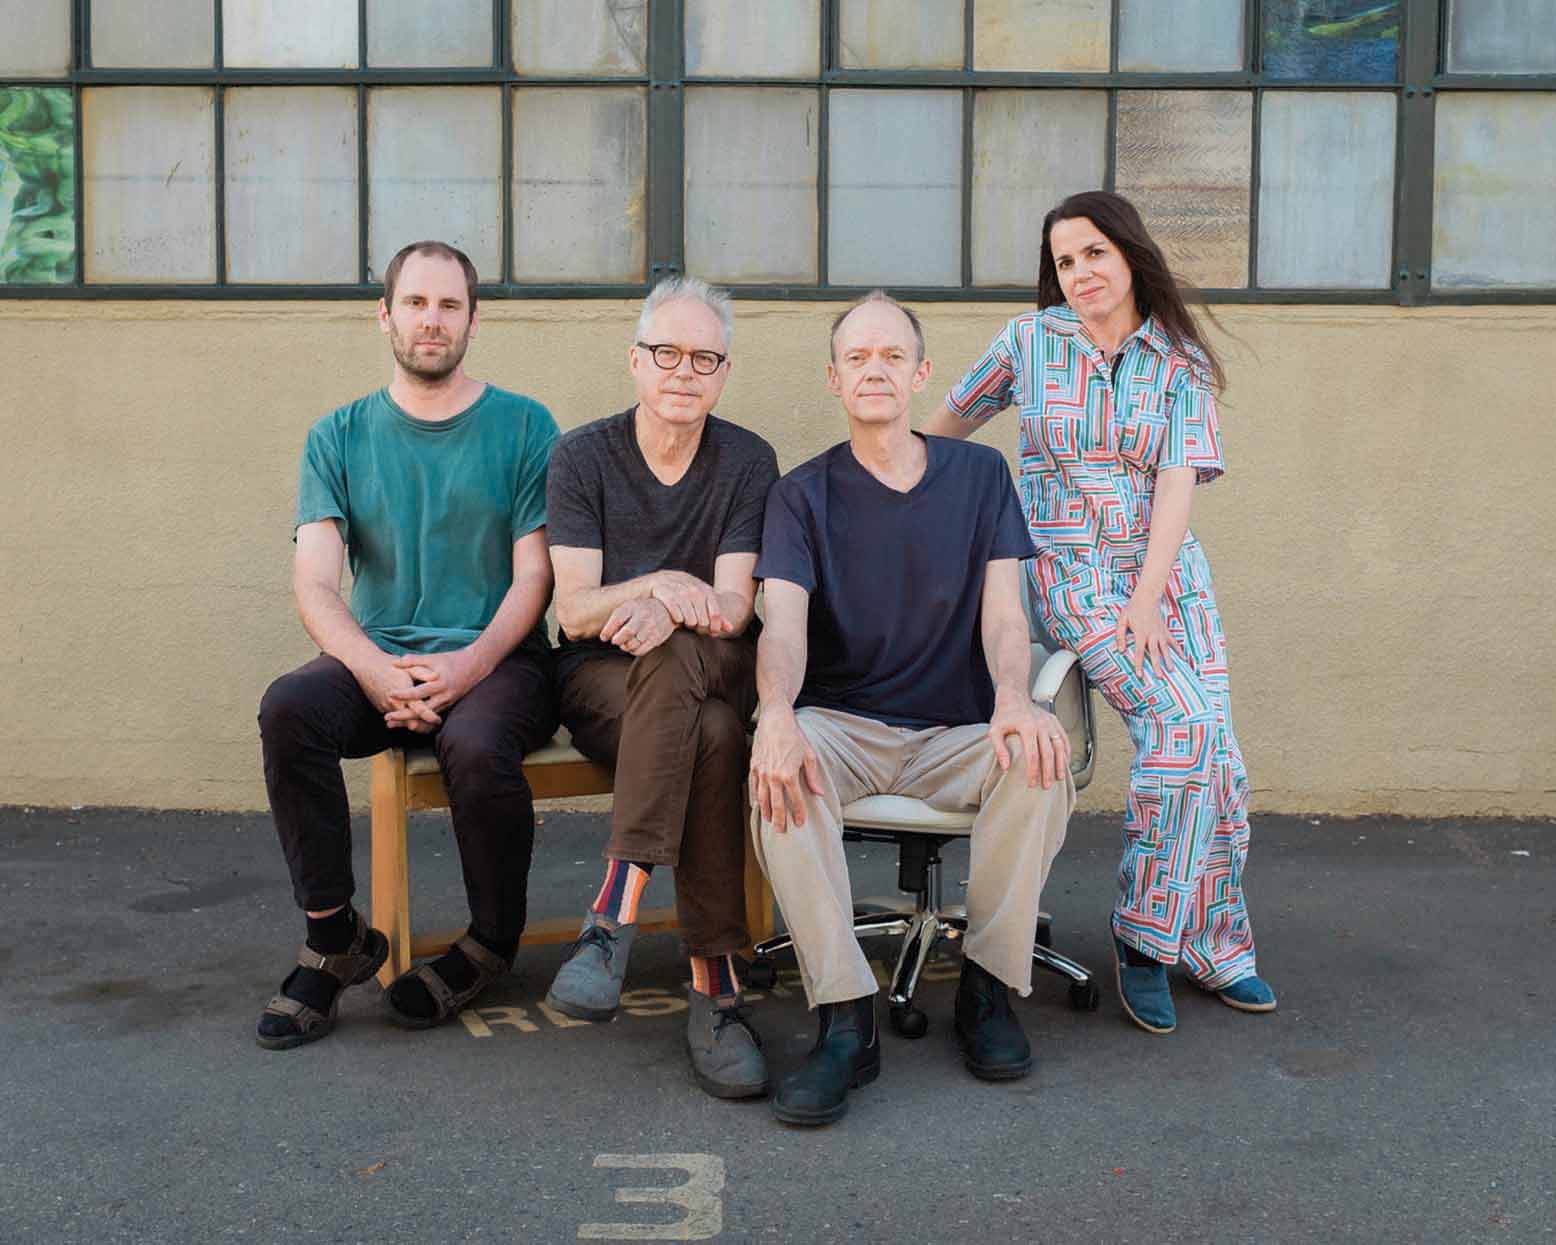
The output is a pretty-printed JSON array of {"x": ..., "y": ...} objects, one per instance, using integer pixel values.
[{"x": 1143, "y": 622}]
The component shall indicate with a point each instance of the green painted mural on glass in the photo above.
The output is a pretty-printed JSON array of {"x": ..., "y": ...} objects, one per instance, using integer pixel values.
[
  {"x": 1332, "y": 40},
  {"x": 37, "y": 186}
]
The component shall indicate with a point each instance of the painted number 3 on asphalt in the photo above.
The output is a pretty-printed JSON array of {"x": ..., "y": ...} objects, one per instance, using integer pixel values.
[{"x": 699, "y": 1197}]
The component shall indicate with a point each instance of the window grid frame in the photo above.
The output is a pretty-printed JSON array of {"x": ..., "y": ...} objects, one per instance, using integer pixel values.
[{"x": 1420, "y": 78}]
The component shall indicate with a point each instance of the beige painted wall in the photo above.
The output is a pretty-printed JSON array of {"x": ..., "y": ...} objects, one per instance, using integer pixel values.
[{"x": 1384, "y": 543}]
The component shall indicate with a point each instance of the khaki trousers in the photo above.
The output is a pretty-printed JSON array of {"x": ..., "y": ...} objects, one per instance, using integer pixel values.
[{"x": 1016, "y": 835}]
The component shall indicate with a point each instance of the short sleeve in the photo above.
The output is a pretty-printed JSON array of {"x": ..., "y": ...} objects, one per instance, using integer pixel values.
[
  {"x": 529, "y": 498},
  {"x": 1012, "y": 537},
  {"x": 1192, "y": 435},
  {"x": 321, "y": 484},
  {"x": 985, "y": 391},
  {"x": 573, "y": 499},
  {"x": 787, "y": 549},
  {"x": 743, "y": 532}
]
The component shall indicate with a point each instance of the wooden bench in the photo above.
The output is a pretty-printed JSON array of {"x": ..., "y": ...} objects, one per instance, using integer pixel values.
[{"x": 404, "y": 782}]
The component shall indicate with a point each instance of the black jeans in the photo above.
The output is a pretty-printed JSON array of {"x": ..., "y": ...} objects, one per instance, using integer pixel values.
[{"x": 311, "y": 718}]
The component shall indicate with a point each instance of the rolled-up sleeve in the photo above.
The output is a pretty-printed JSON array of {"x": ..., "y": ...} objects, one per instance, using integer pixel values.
[{"x": 985, "y": 391}]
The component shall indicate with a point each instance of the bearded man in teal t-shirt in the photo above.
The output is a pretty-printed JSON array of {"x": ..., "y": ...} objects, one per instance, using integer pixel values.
[{"x": 434, "y": 490}]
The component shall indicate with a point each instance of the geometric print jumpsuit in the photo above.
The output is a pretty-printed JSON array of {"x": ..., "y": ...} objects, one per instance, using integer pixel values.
[{"x": 1092, "y": 440}]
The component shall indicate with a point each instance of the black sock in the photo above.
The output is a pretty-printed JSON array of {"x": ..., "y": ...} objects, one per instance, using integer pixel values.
[
  {"x": 330, "y": 935},
  {"x": 410, "y": 996},
  {"x": 1135, "y": 959}
]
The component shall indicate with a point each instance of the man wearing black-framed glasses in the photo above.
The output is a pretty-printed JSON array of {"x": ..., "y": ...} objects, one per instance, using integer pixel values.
[{"x": 655, "y": 522}]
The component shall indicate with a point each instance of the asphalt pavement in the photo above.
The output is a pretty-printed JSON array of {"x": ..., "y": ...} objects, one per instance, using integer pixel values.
[{"x": 1404, "y": 1091}]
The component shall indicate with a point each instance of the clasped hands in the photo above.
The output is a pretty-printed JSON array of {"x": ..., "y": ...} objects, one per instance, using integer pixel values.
[
  {"x": 675, "y": 599},
  {"x": 412, "y": 691}
]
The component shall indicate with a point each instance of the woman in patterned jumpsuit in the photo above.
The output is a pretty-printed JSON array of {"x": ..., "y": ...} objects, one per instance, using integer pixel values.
[{"x": 1114, "y": 383}]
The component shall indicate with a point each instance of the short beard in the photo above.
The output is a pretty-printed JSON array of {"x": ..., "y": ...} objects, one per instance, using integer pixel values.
[{"x": 406, "y": 357}]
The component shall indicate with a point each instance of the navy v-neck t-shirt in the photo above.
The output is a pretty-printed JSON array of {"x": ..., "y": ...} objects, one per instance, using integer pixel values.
[{"x": 896, "y": 580}]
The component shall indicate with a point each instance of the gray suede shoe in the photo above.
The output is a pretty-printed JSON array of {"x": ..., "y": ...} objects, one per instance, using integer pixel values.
[
  {"x": 588, "y": 985},
  {"x": 725, "y": 1050}
]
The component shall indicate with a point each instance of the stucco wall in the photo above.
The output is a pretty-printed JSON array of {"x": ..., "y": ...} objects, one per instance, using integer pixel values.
[{"x": 1384, "y": 542}]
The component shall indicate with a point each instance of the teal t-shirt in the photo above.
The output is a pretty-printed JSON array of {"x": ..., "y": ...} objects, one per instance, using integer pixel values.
[{"x": 429, "y": 511}]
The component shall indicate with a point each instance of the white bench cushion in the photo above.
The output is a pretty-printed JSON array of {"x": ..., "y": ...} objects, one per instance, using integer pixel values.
[{"x": 559, "y": 750}]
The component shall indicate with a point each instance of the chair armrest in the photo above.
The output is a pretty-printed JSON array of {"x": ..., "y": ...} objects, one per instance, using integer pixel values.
[
  {"x": 1049, "y": 672},
  {"x": 1059, "y": 686}
]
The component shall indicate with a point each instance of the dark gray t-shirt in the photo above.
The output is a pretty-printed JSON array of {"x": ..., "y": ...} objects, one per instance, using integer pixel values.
[
  {"x": 896, "y": 580},
  {"x": 601, "y": 494}
]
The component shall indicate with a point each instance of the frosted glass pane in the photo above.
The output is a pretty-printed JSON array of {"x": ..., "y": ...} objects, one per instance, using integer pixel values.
[
  {"x": 1326, "y": 189},
  {"x": 1494, "y": 216},
  {"x": 36, "y": 38},
  {"x": 894, "y": 207},
  {"x": 1502, "y": 36},
  {"x": 580, "y": 36},
  {"x": 751, "y": 162},
  {"x": 578, "y": 184},
  {"x": 901, "y": 34},
  {"x": 434, "y": 158},
  {"x": 1185, "y": 159},
  {"x": 149, "y": 155},
  {"x": 37, "y": 186},
  {"x": 405, "y": 34},
  {"x": 753, "y": 38},
  {"x": 291, "y": 183},
  {"x": 1180, "y": 36},
  {"x": 289, "y": 33},
  {"x": 1058, "y": 35},
  {"x": 1030, "y": 149},
  {"x": 183, "y": 36},
  {"x": 1331, "y": 40}
]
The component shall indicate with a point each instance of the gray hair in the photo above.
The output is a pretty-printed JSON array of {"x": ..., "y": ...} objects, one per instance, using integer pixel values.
[{"x": 689, "y": 289}]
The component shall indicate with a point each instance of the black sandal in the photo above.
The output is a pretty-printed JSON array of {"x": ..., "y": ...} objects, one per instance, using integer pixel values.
[
  {"x": 351, "y": 967},
  {"x": 488, "y": 968}
]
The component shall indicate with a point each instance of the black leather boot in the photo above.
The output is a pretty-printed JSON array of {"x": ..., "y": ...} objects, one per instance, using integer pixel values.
[
  {"x": 847, "y": 1054},
  {"x": 993, "y": 1044}
]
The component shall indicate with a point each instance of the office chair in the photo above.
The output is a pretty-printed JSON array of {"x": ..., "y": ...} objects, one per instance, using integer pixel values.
[{"x": 919, "y": 831}]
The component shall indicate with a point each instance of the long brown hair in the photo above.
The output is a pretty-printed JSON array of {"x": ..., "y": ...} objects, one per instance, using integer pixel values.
[{"x": 1157, "y": 292}]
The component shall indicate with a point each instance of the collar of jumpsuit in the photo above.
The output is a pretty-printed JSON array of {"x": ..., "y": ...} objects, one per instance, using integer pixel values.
[{"x": 1063, "y": 321}]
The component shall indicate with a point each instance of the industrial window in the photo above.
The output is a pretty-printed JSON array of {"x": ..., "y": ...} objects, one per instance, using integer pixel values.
[{"x": 1281, "y": 150}]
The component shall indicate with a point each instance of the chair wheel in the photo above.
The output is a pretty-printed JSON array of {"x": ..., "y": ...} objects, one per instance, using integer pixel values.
[
  {"x": 1085, "y": 995},
  {"x": 762, "y": 974},
  {"x": 909, "y": 1022},
  {"x": 1045, "y": 935}
]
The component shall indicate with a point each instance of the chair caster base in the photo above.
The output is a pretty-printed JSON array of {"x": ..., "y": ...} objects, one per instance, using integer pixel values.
[
  {"x": 907, "y": 1021},
  {"x": 1085, "y": 996},
  {"x": 761, "y": 974}
]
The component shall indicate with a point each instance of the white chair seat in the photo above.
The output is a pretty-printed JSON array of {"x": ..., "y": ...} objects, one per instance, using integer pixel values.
[
  {"x": 899, "y": 812},
  {"x": 560, "y": 749}
]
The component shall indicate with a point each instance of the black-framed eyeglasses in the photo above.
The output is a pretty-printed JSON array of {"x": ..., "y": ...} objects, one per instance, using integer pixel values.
[{"x": 668, "y": 357}]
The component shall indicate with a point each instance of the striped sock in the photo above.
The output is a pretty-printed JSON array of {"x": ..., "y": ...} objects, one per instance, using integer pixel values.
[
  {"x": 714, "y": 976},
  {"x": 618, "y": 897}
]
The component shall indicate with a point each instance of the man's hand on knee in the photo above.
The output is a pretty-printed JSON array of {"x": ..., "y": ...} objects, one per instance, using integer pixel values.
[
  {"x": 1044, "y": 744},
  {"x": 638, "y": 626},
  {"x": 780, "y": 754}
]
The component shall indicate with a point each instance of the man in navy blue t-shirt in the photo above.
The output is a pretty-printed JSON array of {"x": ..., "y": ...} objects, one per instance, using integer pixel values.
[{"x": 896, "y": 659}]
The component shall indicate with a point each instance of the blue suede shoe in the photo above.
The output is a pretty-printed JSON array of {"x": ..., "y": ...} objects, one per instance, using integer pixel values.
[
  {"x": 1145, "y": 993},
  {"x": 1248, "y": 994}
]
